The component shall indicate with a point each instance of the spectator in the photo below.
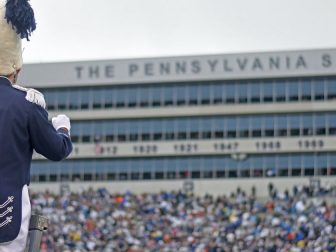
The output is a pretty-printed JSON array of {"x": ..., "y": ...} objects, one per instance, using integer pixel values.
[{"x": 177, "y": 221}]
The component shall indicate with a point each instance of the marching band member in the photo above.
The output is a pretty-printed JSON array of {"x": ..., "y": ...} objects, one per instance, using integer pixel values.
[{"x": 24, "y": 127}]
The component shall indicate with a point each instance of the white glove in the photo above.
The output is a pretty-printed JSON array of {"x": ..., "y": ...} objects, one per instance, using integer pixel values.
[{"x": 61, "y": 121}]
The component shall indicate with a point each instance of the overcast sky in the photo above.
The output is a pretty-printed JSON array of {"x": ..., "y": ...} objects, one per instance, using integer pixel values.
[{"x": 72, "y": 30}]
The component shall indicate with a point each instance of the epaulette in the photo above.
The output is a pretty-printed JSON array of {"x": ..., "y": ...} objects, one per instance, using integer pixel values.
[{"x": 32, "y": 95}]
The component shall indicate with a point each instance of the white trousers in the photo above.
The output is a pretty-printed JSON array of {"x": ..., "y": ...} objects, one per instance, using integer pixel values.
[{"x": 19, "y": 244}]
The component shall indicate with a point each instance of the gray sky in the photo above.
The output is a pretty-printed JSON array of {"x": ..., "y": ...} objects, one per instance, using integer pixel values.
[{"x": 71, "y": 30}]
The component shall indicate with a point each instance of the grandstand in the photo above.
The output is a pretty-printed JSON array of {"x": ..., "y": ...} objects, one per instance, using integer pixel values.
[{"x": 204, "y": 117}]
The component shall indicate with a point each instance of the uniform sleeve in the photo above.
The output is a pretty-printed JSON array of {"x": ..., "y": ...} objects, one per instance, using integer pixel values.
[{"x": 52, "y": 144}]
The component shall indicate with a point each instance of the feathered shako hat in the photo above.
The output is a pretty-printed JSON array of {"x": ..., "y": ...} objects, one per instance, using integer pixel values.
[{"x": 16, "y": 22}]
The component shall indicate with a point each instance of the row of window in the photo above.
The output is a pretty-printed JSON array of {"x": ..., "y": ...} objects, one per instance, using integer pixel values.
[
  {"x": 250, "y": 126},
  {"x": 202, "y": 93},
  {"x": 186, "y": 167}
]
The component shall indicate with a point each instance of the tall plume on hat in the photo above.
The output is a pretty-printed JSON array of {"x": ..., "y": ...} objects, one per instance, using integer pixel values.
[{"x": 16, "y": 22}]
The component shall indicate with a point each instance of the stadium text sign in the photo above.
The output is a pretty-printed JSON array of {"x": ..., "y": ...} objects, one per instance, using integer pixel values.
[
  {"x": 216, "y": 65},
  {"x": 230, "y": 66}
]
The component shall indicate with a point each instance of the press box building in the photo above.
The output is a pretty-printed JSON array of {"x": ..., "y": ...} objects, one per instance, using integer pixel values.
[{"x": 199, "y": 117}]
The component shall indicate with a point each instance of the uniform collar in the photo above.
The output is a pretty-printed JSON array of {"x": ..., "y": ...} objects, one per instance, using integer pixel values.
[{"x": 5, "y": 81}]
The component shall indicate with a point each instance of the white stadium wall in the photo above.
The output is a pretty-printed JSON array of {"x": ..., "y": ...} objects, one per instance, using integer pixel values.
[{"x": 201, "y": 187}]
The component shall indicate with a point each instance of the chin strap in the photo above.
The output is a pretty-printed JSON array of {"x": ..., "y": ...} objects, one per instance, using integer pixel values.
[
  {"x": 15, "y": 74},
  {"x": 14, "y": 78}
]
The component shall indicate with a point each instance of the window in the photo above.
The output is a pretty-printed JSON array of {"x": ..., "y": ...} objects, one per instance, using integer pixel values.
[
  {"x": 259, "y": 165},
  {"x": 206, "y": 128},
  {"x": 201, "y": 93},
  {"x": 62, "y": 97},
  {"x": 169, "y": 130},
  {"x": 255, "y": 126},
  {"x": 122, "y": 131},
  {"x": 109, "y": 128},
  {"x": 132, "y": 97},
  {"x": 170, "y": 167},
  {"x": 205, "y": 94},
  {"x": 243, "y": 127},
  {"x": 120, "y": 97},
  {"x": 218, "y": 93},
  {"x": 319, "y": 89},
  {"x": 308, "y": 165},
  {"x": 143, "y": 97},
  {"x": 220, "y": 167},
  {"x": 87, "y": 132},
  {"x": 267, "y": 92},
  {"x": 244, "y": 167},
  {"x": 295, "y": 165},
  {"x": 133, "y": 131},
  {"x": 145, "y": 128},
  {"x": 205, "y": 164},
  {"x": 268, "y": 126},
  {"x": 231, "y": 127},
  {"x": 157, "y": 129},
  {"x": 270, "y": 168},
  {"x": 193, "y": 94},
  {"x": 280, "y": 91},
  {"x": 74, "y": 101},
  {"x": 180, "y": 95},
  {"x": 168, "y": 96},
  {"x": 183, "y": 168},
  {"x": 293, "y": 90},
  {"x": 332, "y": 124},
  {"x": 283, "y": 166},
  {"x": 218, "y": 126},
  {"x": 294, "y": 125},
  {"x": 306, "y": 90},
  {"x": 156, "y": 96},
  {"x": 194, "y": 127},
  {"x": 103, "y": 168},
  {"x": 181, "y": 128},
  {"x": 88, "y": 170},
  {"x": 97, "y": 95},
  {"x": 320, "y": 124},
  {"x": 255, "y": 89},
  {"x": 321, "y": 161},
  {"x": 307, "y": 125},
  {"x": 108, "y": 98},
  {"x": 147, "y": 168},
  {"x": 242, "y": 92},
  {"x": 230, "y": 93},
  {"x": 50, "y": 98},
  {"x": 281, "y": 126},
  {"x": 331, "y": 88},
  {"x": 85, "y": 99},
  {"x": 195, "y": 166},
  {"x": 98, "y": 132}
]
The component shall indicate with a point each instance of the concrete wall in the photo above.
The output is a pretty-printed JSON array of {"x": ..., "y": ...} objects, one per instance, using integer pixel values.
[
  {"x": 204, "y": 110},
  {"x": 201, "y": 187}
]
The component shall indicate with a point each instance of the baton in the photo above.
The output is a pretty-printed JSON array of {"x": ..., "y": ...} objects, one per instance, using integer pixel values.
[{"x": 37, "y": 225}]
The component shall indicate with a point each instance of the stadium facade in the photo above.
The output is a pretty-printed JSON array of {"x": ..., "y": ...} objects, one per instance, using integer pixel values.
[{"x": 200, "y": 117}]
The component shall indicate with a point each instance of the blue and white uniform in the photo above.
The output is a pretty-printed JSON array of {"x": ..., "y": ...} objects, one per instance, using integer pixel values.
[{"x": 24, "y": 127}]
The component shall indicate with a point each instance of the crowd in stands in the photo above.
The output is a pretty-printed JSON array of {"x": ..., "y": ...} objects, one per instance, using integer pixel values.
[{"x": 95, "y": 220}]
